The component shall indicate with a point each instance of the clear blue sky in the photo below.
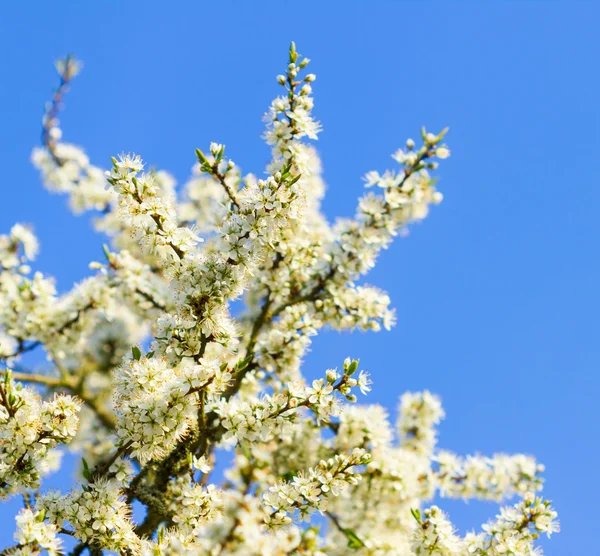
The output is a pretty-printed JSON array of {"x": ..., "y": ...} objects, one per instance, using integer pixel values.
[{"x": 497, "y": 291}]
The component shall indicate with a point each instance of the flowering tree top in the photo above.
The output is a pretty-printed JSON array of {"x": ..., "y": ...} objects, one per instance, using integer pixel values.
[{"x": 155, "y": 383}]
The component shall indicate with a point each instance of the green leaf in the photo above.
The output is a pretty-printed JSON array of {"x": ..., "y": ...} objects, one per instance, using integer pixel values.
[
  {"x": 160, "y": 536},
  {"x": 86, "y": 470},
  {"x": 441, "y": 135},
  {"x": 241, "y": 365},
  {"x": 294, "y": 180},
  {"x": 137, "y": 354},
  {"x": 288, "y": 476},
  {"x": 416, "y": 514},
  {"x": 353, "y": 539}
]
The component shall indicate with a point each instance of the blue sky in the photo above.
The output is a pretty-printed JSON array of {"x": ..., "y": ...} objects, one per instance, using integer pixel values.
[{"x": 496, "y": 291}]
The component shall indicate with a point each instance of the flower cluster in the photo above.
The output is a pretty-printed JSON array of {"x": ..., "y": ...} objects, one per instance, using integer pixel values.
[
  {"x": 97, "y": 512},
  {"x": 150, "y": 215},
  {"x": 512, "y": 532},
  {"x": 18, "y": 247},
  {"x": 435, "y": 534},
  {"x": 366, "y": 426},
  {"x": 33, "y": 532},
  {"x": 289, "y": 118},
  {"x": 195, "y": 506},
  {"x": 501, "y": 476},
  {"x": 516, "y": 529},
  {"x": 29, "y": 429},
  {"x": 271, "y": 415},
  {"x": 419, "y": 413},
  {"x": 155, "y": 403},
  {"x": 182, "y": 357},
  {"x": 308, "y": 492},
  {"x": 65, "y": 167}
]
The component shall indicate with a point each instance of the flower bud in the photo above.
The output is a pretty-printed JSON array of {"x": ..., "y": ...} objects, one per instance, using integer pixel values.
[
  {"x": 442, "y": 152},
  {"x": 331, "y": 375},
  {"x": 306, "y": 89}
]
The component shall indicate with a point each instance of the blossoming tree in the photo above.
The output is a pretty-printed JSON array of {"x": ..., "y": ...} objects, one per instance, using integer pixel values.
[{"x": 153, "y": 381}]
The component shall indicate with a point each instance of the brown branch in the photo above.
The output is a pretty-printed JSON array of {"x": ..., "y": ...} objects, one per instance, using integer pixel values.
[
  {"x": 221, "y": 178},
  {"x": 50, "y": 381},
  {"x": 52, "y": 113}
]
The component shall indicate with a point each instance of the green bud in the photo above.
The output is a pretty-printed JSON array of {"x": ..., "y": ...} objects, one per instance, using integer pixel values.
[
  {"x": 351, "y": 368},
  {"x": 293, "y": 53},
  {"x": 201, "y": 157}
]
